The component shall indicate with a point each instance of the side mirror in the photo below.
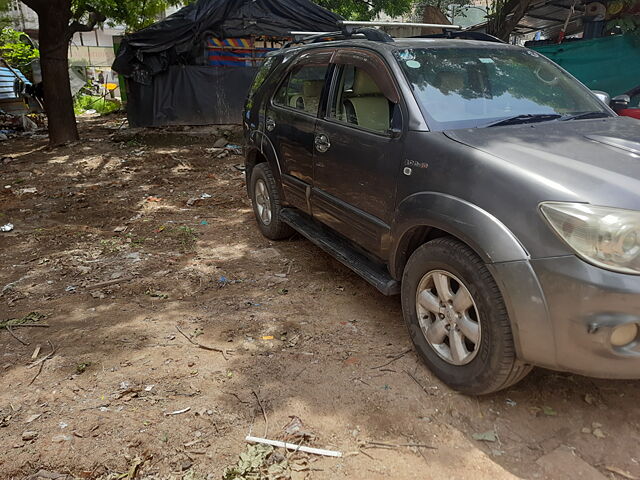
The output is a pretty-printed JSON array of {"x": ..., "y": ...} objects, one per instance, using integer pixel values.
[
  {"x": 603, "y": 96},
  {"x": 621, "y": 100}
]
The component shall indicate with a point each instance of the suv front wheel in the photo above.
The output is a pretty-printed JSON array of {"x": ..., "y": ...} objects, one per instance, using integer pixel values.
[
  {"x": 457, "y": 318},
  {"x": 266, "y": 203}
]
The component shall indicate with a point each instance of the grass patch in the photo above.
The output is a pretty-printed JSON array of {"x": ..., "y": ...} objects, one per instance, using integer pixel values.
[
  {"x": 31, "y": 317},
  {"x": 102, "y": 105}
]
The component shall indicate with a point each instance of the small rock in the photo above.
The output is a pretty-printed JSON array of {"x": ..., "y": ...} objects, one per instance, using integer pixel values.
[
  {"x": 119, "y": 229},
  {"x": 61, "y": 438},
  {"x": 29, "y": 435},
  {"x": 3, "y": 137},
  {"x": 220, "y": 143},
  {"x": 586, "y": 430},
  {"x": 598, "y": 433}
]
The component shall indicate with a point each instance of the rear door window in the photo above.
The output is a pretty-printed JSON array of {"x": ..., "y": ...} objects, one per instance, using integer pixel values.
[{"x": 302, "y": 88}]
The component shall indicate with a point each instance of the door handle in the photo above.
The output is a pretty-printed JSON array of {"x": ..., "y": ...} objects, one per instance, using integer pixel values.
[
  {"x": 270, "y": 123},
  {"x": 322, "y": 142}
]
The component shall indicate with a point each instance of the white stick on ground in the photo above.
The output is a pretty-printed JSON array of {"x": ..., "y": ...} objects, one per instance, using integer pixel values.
[{"x": 293, "y": 446}]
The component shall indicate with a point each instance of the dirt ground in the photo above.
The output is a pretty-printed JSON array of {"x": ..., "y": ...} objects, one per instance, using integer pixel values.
[{"x": 108, "y": 254}]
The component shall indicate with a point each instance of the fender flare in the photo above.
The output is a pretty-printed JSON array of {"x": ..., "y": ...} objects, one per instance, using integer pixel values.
[
  {"x": 479, "y": 229},
  {"x": 260, "y": 143}
]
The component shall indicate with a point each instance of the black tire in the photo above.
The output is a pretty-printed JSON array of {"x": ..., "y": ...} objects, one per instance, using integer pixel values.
[
  {"x": 494, "y": 366},
  {"x": 275, "y": 228}
]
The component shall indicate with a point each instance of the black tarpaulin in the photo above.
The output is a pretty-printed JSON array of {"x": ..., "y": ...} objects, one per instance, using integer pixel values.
[
  {"x": 179, "y": 38},
  {"x": 190, "y": 95}
]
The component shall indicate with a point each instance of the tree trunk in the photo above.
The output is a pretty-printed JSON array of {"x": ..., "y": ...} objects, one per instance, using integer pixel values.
[
  {"x": 507, "y": 18},
  {"x": 54, "y": 16},
  {"x": 432, "y": 14}
]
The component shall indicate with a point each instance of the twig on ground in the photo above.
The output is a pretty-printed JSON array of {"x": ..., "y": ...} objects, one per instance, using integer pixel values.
[
  {"x": 413, "y": 377},
  {"x": 237, "y": 397},
  {"x": 204, "y": 347},
  {"x": 264, "y": 414},
  {"x": 397, "y": 357},
  {"x": 365, "y": 454},
  {"x": 110, "y": 282},
  {"x": 42, "y": 325},
  {"x": 16, "y": 337},
  {"x": 397, "y": 445},
  {"x": 43, "y": 359},
  {"x": 41, "y": 362}
]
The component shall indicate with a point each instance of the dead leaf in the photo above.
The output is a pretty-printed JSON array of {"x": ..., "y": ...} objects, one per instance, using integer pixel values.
[
  {"x": 621, "y": 472},
  {"x": 488, "y": 436}
]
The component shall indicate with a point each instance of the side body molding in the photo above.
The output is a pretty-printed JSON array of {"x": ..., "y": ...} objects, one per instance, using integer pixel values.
[{"x": 483, "y": 232}]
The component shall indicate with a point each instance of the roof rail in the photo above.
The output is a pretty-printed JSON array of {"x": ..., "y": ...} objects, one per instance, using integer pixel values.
[
  {"x": 464, "y": 35},
  {"x": 353, "y": 29},
  {"x": 372, "y": 34},
  {"x": 350, "y": 24}
]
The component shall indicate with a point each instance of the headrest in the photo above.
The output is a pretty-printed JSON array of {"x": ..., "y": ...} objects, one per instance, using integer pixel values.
[
  {"x": 363, "y": 84},
  {"x": 312, "y": 88}
]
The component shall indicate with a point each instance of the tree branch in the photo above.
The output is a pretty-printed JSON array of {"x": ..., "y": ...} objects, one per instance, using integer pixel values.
[{"x": 94, "y": 19}]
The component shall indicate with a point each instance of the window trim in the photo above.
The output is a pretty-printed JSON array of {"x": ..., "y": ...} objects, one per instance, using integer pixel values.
[
  {"x": 337, "y": 67},
  {"x": 314, "y": 58}
]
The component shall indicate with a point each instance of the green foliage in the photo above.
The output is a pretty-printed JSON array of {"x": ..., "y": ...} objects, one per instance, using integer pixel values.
[
  {"x": 101, "y": 105},
  {"x": 16, "y": 52},
  {"x": 367, "y": 9},
  {"x": 134, "y": 14},
  {"x": 259, "y": 462},
  {"x": 626, "y": 22}
]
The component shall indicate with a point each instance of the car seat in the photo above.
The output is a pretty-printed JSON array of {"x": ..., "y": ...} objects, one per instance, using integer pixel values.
[{"x": 366, "y": 105}]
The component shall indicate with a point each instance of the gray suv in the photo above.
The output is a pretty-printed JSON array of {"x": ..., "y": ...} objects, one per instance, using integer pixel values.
[{"x": 479, "y": 180}]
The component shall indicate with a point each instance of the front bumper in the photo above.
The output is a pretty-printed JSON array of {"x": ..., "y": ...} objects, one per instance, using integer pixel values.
[{"x": 563, "y": 311}]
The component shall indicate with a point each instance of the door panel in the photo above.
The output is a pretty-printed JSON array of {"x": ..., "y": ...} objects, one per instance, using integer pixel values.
[
  {"x": 357, "y": 159},
  {"x": 291, "y": 121},
  {"x": 355, "y": 183}
]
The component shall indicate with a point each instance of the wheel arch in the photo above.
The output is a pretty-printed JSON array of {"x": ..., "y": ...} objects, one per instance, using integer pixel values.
[
  {"x": 261, "y": 150},
  {"x": 429, "y": 215}
]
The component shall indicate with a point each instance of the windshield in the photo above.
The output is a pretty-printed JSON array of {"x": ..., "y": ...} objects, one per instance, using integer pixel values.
[{"x": 467, "y": 87}]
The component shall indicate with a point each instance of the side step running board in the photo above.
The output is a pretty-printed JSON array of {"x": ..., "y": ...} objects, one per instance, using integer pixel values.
[{"x": 340, "y": 249}]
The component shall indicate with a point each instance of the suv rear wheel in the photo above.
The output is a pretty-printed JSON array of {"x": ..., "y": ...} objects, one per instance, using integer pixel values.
[
  {"x": 457, "y": 318},
  {"x": 266, "y": 203}
]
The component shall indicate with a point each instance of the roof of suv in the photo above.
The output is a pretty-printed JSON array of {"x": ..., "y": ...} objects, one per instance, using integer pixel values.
[{"x": 400, "y": 43}]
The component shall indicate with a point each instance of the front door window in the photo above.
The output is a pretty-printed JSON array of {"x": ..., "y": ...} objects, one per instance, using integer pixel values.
[{"x": 359, "y": 101}]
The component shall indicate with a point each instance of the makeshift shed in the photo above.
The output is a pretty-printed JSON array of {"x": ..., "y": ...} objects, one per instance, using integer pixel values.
[{"x": 196, "y": 66}]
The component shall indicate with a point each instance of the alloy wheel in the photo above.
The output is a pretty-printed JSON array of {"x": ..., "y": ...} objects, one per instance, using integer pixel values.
[{"x": 448, "y": 317}]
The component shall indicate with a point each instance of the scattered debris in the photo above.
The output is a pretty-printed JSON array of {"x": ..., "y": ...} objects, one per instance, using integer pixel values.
[
  {"x": 32, "y": 418},
  {"x": 7, "y": 227},
  {"x": 41, "y": 362},
  {"x": 192, "y": 201},
  {"x": 29, "y": 435},
  {"x": 109, "y": 283},
  {"x": 204, "y": 347},
  {"x": 395, "y": 357},
  {"x": 488, "y": 436},
  {"x": 294, "y": 447},
  {"x": 264, "y": 413},
  {"x": 372, "y": 444},
  {"x": 622, "y": 473},
  {"x": 258, "y": 462},
  {"x": 26, "y": 321},
  {"x": 549, "y": 412},
  {"x": 178, "y": 412},
  {"x": 82, "y": 367}
]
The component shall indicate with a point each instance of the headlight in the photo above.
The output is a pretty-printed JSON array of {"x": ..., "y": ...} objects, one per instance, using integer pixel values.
[{"x": 606, "y": 237}]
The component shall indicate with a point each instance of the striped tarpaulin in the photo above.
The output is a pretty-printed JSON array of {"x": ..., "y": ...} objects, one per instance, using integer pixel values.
[{"x": 234, "y": 52}]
